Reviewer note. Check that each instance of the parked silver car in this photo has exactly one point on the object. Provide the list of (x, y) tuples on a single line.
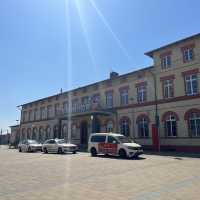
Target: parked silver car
[(29, 146), (58, 146)]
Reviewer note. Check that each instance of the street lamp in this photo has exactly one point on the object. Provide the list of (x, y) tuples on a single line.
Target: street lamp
[(92, 122)]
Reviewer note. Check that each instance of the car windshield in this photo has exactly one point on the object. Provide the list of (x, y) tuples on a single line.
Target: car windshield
[(60, 141), (124, 139), (32, 142)]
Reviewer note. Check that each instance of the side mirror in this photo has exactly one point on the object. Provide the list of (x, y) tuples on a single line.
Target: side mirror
[(114, 142)]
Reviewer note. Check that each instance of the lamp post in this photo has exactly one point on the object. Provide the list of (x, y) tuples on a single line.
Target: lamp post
[(92, 123)]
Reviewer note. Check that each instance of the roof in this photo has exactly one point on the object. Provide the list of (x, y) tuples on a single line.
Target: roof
[(150, 53), (66, 92)]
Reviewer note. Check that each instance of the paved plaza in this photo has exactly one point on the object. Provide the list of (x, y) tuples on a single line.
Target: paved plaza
[(38, 176)]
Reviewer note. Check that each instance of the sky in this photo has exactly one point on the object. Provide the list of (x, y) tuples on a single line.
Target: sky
[(52, 44)]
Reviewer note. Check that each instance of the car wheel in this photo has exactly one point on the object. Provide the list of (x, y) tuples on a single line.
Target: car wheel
[(45, 150), (74, 152), (122, 153), (93, 152), (60, 151), (20, 150)]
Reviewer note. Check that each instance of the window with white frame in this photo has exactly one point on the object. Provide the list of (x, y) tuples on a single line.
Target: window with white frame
[(30, 115), (25, 116), (143, 127), (124, 127), (73, 130), (109, 99), (141, 93), (42, 113), (194, 124), (191, 84), (65, 107), (57, 109), (36, 114), (49, 111), (170, 126), (168, 89), (109, 127), (124, 97), (166, 62), (188, 54), (48, 132)]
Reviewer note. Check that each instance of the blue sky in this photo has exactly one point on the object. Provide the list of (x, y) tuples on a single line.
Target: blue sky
[(111, 35)]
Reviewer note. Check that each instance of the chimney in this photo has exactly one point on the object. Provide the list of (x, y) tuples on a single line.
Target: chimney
[(113, 75)]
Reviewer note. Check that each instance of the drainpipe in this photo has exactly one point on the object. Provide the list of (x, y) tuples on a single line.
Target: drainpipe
[(156, 107)]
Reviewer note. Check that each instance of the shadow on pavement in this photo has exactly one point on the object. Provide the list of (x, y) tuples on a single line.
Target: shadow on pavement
[(176, 155)]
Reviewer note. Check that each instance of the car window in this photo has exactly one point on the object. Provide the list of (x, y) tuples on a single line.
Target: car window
[(52, 142), (98, 138), (112, 140)]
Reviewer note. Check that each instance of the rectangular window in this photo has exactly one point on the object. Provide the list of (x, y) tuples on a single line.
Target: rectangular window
[(65, 107), (109, 99), (36, 114), (49, 111), (24, 118), (30, 115), (188, 54), (124, 97), (96, 99), (85, 100), (75, 105), (141, 93), (168, 89), (191, 84), (166, 62), (57, 109), (42, 113)]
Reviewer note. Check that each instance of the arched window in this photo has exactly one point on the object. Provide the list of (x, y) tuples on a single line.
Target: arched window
[(143, 126), (193, 118), (29, 133), (124, 126), (109, 126), (56, 131), (48, 132), (23, 135), (34, 134), (73, 130), (170, 123), (41, 134), (64, 131)]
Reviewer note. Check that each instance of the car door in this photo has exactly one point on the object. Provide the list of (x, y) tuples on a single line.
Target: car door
[(111, 145), (51, 146)]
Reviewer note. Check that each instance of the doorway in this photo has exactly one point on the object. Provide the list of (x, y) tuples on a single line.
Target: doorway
[(84, 133)]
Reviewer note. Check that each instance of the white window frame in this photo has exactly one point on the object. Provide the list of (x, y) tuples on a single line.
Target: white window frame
[(171, 118), (188, 54), (190, 79), (166, 62), (143, 122), (124, 97), (141, 93), (195, 117), (168, 86), (109, 100)]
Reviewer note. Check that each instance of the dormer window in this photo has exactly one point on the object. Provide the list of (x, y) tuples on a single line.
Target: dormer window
[(165, 60)]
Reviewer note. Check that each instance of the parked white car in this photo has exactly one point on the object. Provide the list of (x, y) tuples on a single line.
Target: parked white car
[(58, 146), (29, 146), (113, 144)]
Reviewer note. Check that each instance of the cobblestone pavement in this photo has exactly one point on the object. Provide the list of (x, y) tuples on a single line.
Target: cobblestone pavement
[(37, 176)]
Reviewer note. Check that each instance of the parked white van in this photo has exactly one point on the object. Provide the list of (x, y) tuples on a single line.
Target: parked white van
[(113, 144)]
